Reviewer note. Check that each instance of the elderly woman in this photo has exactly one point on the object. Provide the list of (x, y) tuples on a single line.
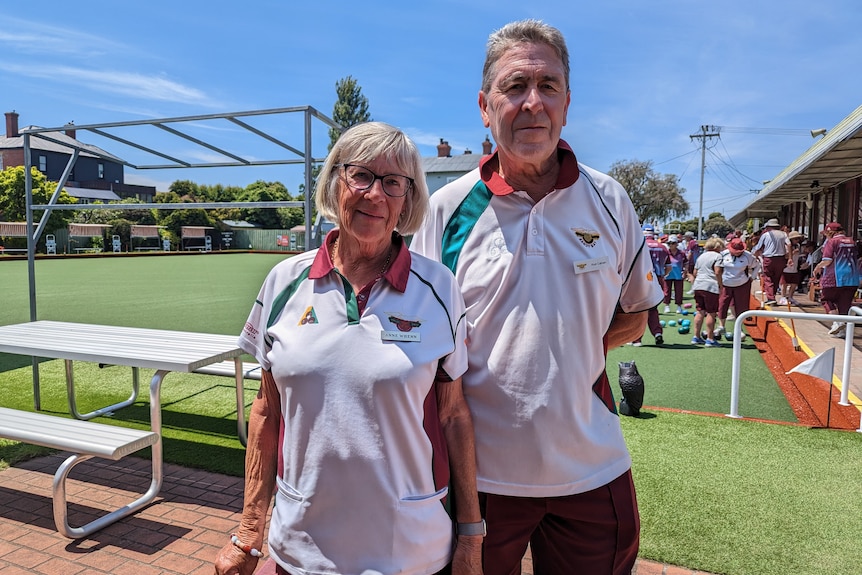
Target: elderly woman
[(707, 287), (360, 422), (734, 271)]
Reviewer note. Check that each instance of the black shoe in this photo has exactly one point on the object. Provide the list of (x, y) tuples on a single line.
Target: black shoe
[(659, 339)]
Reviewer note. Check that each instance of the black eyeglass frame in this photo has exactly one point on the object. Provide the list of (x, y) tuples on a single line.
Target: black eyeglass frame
[(410, 181)]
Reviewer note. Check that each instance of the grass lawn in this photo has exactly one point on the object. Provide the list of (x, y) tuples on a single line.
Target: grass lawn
[(683, 376), (746, 498), (716, 494)]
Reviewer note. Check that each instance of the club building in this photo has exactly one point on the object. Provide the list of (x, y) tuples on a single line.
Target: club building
[(822, 185)]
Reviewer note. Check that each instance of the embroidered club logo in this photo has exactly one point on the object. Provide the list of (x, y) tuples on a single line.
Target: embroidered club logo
[(404, 324), (587, 237), (308, 317)]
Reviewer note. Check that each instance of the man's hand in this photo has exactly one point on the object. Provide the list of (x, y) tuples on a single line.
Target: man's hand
[(626, 327), (467, 559)]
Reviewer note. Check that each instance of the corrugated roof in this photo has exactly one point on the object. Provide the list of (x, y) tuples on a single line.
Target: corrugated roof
[(832, 160), (463, 163), (37, 143), (92, 194)]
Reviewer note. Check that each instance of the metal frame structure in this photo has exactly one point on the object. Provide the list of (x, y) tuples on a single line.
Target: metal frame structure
[(296, 156)]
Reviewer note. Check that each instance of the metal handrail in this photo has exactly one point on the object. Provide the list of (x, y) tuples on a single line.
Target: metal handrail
[(851, 320)]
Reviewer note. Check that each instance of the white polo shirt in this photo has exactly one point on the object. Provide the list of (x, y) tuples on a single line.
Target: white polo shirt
[(542, 282), (362, 462), (737, 269)]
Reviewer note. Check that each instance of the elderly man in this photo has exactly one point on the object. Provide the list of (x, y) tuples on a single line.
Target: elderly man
[(773, 248), (552, 264)]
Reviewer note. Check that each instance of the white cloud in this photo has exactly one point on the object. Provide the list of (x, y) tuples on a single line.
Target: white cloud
[(146, 87), (29, 37)]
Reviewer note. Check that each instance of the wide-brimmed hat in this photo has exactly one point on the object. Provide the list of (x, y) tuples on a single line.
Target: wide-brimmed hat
[(794, 235), (736, 246), (772, 223)]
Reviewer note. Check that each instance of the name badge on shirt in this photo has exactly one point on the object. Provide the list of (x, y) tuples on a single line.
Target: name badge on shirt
[(400, 336), (592, 265)]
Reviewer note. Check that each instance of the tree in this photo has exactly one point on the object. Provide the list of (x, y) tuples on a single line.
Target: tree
[(350, 109), (13, 204), (261, 191), (718, 225), (655, 196)]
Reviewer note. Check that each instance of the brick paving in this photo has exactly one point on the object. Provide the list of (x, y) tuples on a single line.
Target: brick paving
[(180, 533)]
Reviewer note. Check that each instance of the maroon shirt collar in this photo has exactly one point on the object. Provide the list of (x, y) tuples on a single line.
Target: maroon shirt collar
[(396, 275), (569, 172)]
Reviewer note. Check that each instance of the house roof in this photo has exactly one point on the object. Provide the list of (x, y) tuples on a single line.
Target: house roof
[(832, 160), (239, 224), (56, 144), (461, 164), (92, 194)]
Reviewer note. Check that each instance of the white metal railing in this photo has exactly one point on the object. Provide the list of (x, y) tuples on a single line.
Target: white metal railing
[(851, 320)]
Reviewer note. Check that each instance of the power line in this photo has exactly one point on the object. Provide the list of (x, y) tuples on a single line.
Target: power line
[(764, 131), (674, 158), (742, 181)]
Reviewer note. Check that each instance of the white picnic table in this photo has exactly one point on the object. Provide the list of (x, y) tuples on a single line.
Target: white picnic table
[(162, 350)]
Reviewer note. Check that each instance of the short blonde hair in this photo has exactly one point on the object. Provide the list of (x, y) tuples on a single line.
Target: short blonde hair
[(714, 245), (362, 144)]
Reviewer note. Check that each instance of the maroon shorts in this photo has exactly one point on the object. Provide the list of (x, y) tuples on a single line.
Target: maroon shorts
[(791, 278), (837, 298), (706, 301), (598, 531)]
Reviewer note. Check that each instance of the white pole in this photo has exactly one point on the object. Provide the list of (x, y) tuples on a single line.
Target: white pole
[(848, 351)]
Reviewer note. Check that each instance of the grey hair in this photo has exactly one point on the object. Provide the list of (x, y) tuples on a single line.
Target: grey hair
[(362, 144), (523, 31)]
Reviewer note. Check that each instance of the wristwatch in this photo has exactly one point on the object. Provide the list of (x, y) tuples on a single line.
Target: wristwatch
[(478, 528)]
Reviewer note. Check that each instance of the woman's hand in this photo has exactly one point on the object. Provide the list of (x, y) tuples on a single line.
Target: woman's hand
[(231, 560), (467, 559)]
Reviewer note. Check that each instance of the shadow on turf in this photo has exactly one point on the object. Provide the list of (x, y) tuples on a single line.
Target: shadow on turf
[(11, 362), (748, 344), (643, 415)]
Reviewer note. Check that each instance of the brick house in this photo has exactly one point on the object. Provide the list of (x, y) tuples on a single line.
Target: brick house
[(96, 176)]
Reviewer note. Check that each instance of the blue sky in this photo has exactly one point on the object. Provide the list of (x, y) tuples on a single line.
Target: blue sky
[(645, 75)]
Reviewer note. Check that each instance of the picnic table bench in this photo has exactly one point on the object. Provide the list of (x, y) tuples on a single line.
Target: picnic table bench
[(226, 368), (85, 439)]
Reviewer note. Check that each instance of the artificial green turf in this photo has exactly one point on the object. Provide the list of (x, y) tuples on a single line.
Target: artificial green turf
[(684, 376), (746, 498), (211, 293)]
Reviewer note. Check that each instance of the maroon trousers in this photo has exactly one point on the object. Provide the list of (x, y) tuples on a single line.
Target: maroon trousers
[(739, 296), (591, 533), (773, 268)]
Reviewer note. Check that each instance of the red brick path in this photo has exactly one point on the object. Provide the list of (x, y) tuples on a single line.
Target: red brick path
[(178, 534)]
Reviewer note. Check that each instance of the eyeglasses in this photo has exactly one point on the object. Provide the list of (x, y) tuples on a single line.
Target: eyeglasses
[(360, 179)]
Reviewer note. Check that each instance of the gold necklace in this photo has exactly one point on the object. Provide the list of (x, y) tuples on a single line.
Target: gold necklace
[(382, 270)]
